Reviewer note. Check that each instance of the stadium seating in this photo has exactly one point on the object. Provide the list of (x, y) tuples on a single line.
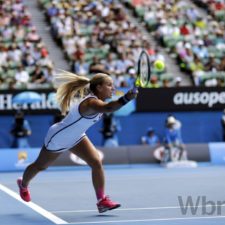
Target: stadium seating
[(197, 41), (22, 52), (100, 37), (102, 30), (215, 7)]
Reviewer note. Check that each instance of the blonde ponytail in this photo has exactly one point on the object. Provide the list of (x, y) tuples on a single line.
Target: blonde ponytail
[(68, 85)]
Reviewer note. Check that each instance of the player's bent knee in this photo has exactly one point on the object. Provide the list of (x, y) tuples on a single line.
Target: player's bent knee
[(96, 163)]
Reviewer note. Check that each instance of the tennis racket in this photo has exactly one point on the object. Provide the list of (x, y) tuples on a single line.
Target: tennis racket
[(143, 70)]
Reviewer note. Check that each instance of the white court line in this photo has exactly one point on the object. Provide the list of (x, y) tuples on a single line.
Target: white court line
[(150, 220), (135, 209), (33, 206)]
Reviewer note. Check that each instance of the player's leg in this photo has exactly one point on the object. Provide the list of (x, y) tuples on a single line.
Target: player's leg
[(86, 151), (43, 161)]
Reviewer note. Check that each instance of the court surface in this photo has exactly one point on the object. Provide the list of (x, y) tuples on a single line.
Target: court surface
[(149, 195)]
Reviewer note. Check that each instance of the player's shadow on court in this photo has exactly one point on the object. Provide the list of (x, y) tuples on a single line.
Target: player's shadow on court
[(105, 215)]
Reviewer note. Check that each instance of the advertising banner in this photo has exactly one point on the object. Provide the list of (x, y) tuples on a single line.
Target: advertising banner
[(45, 104), (181, 99), (148, 100), (41, 101), (17, 159)]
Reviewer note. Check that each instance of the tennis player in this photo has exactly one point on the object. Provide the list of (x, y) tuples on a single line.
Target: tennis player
[(69, 134)]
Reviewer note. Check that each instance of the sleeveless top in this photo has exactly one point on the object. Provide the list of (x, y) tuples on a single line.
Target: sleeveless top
[(71, 130)]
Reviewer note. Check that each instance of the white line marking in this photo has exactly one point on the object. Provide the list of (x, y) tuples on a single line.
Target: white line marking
[(135, 209), (33, 206), (150, 220)]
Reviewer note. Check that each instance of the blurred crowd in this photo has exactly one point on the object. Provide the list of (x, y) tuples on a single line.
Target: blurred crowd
[(24, 59), (98, 36), (214, 7), (195, 39)]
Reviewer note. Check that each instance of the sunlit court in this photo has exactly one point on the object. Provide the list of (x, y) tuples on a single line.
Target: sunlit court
[(148, 195), (112, 112)]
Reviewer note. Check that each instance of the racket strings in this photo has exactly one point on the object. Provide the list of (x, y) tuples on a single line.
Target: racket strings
[(144, 70)]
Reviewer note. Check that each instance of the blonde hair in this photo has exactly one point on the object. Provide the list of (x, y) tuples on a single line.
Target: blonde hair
[(69, 85)]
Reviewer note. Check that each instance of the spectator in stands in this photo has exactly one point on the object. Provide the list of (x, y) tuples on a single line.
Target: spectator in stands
[(1, 82), (28, 60), (122, 64), (33, 36), (89, 20), (20, 131), (27, 48), (192, 13), (207, 40), (38, 76), (150, 138), (165, 83), (22, 76), (131, 76), (44, 61), (79, 53), (43, 50), (220, 82), (81, 67), (9, 63), (118, 80), (96, 66), (12, 84), (200, 50), (109, 64), (48, 73), (178, 81), (36, 54), (221, 66), (184, 29), (217, 5), (154, 83), (211, 65), (52, 10), (15, 53), (197, 69), (223, 124), (158, 55), (3, 54)]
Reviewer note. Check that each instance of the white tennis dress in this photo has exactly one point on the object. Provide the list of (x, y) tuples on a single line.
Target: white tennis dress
[(71, 130)]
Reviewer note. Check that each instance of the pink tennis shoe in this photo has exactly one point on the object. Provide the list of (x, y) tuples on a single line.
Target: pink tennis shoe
[(24, 191), (106, 204)]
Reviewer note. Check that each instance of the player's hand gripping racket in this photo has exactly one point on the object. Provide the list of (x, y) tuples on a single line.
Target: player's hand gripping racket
[(143, 71)]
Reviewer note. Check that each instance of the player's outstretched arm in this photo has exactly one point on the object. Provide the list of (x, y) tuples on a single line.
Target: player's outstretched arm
[(98, 106)]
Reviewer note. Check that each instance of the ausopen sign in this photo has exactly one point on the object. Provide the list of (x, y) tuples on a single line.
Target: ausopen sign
[(148, 100), (181, 99)]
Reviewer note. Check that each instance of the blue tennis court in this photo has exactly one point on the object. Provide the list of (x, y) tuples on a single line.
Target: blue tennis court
[(149, 195)]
